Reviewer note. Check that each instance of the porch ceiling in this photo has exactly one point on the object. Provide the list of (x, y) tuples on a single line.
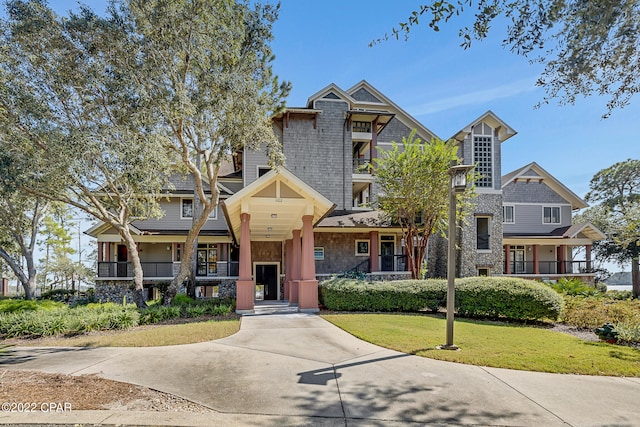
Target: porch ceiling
[(276, 202)]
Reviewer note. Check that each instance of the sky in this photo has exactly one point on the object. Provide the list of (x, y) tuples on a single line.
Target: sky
[(443, 86)]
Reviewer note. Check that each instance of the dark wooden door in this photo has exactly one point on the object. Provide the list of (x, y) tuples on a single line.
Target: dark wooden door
[(123, 257), (267, 276)]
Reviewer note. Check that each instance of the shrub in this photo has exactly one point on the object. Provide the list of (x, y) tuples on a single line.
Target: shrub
[(592, 312), (17, 305), (158, 313), (628, 332), (57, 294), (573, 287), (181, 300), (196, 310), (509, 298)]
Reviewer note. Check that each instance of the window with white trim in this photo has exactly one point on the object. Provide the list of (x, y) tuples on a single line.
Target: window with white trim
[(186, 210), (551, 215), (508, 214), (318, 253)]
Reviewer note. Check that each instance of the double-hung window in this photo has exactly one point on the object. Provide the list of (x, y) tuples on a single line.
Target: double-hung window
[(508, 214), (551, 215), (186, 210)]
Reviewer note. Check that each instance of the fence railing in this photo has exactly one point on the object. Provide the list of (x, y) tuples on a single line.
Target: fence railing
[(393, 263), (551, 267), (153, 270)]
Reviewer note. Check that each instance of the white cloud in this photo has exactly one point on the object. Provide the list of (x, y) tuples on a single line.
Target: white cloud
[(473, 98)]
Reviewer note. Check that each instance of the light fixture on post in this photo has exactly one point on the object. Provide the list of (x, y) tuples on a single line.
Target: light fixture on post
[(458, 176)]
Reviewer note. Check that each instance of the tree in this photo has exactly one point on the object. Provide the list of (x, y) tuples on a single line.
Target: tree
[(587, 47), (73, 126), (56, 240), (616, 190), (207, 69), (20, 218), (414, 183)]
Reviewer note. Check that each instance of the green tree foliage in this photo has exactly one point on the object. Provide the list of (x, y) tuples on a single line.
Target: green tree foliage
[(587, 47), (616, 192), (414, 181), (207, 69), (72, 124)]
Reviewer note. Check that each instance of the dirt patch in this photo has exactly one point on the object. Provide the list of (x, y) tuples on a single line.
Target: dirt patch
[(87, 392)]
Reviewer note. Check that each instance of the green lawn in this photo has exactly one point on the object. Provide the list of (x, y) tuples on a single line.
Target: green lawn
[(148, 336), (492, 344)]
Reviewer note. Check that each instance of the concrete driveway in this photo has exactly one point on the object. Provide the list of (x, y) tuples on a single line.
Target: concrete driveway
[(298, 369)]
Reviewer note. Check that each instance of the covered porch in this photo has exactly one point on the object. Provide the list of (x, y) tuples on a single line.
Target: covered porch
[(278, 210), (552, 257)]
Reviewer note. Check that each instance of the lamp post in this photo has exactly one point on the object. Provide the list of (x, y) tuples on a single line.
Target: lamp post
[(458, 174)]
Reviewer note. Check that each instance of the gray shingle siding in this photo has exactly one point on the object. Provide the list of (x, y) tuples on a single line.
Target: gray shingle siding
[(531, 192), (364, 95)]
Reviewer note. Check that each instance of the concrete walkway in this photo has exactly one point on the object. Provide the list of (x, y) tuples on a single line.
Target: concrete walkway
[(298, 369)]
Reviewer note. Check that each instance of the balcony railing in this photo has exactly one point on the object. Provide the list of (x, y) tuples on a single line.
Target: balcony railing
[(551, 267), (152, 270), (361, 166), (393, 262)]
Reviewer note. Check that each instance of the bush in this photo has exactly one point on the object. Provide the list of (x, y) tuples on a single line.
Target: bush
[(510, 298), (67, 321), (574, 287), (628, 332), (57, 295), (592, 312), (181, 300), (507, 297), (18, 305), (158, 313)]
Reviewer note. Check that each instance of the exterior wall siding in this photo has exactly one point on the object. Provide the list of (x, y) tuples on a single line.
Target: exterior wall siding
[(267, 252), (531, 192), (339, 251), (364, 95), (172, 221), (528, 219)]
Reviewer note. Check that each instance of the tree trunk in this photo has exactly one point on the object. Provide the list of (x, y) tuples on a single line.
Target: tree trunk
[(138, 276), (635, 277), (28, 282)]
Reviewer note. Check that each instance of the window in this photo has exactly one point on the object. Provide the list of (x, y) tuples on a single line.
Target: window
[(482, 233), (186, 210), (318, 253), (483, 272), (482, 154), (364, 127), (362, 248), (551, 215), (508, 214), (207, 259), (263, 170)]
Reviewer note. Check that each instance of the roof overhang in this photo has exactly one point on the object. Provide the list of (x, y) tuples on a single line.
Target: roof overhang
[(276, 202)]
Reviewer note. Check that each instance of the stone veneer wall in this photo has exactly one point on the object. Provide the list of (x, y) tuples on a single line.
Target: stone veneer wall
[(114, 291), (470, 260)]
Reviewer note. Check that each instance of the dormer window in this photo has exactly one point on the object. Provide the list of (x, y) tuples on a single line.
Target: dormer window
[(483, 154)]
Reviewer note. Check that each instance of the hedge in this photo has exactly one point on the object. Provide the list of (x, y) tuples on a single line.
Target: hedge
[(479, 297)]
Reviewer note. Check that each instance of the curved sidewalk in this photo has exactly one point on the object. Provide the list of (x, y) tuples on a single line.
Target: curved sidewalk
[(298, 369)]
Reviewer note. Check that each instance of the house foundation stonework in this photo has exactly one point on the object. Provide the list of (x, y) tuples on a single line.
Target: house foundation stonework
[(277, 232)]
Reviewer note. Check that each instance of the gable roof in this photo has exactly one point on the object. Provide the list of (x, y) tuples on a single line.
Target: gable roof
[(535, 172), (504, 130)]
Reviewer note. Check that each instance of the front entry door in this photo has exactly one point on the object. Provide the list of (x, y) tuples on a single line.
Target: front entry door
[(387, 250), (267, 281), (122, 263)]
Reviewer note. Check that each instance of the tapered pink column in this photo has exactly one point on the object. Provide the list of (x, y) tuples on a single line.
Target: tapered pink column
[(308, 286), (507, 259), (536, 260), (288, 254), (373, 249), (295, 266), (245, 287), (562, 257)]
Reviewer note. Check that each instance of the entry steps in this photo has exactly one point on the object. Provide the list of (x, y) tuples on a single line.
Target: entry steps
[(273, 307)]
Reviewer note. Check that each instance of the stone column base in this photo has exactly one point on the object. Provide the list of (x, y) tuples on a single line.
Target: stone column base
[(307, 296), (245, 295)]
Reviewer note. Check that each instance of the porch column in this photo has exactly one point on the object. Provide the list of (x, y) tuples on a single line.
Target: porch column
[(536, 260), (295, 266), (587, 249), (5, 287), (288, 255), (562, 252), (507, 259), (308, 285), (245, 287), (374, 140), (373, 250)]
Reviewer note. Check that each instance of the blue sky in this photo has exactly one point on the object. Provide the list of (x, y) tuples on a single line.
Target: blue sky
[(442, 85)]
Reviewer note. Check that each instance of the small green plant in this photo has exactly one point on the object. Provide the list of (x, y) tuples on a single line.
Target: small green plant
[(628, 332), (181, 300), (574, 287), (196, 310)]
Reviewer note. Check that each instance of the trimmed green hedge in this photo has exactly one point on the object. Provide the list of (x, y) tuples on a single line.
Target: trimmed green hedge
[(498, 297)]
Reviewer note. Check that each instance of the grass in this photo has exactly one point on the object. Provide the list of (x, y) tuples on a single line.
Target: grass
[(492, 344), (147, 336)]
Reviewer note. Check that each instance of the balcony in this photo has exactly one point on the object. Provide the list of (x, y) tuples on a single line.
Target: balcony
[(551, 268), (361, 131), (361, 166), (165, 270)]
